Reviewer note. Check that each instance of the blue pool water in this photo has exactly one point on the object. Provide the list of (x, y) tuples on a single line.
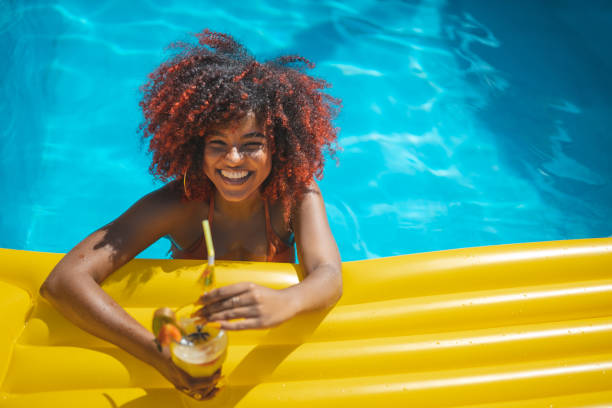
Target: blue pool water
[(465, 123)]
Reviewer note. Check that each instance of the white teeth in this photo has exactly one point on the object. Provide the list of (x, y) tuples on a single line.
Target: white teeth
[(233, 174)]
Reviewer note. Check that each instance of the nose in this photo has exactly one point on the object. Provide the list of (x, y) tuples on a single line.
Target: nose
[(234, 155)]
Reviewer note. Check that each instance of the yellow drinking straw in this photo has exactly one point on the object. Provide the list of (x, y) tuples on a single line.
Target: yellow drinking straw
[(210, 249), (209, 244), (206, 279)]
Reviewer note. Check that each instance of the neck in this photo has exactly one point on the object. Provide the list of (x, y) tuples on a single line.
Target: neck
[(238, 210)]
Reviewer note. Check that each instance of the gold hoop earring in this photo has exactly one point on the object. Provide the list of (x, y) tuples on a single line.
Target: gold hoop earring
[(185, 185)]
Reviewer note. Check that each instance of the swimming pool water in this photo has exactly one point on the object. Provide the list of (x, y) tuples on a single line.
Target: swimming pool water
[(465, 122)]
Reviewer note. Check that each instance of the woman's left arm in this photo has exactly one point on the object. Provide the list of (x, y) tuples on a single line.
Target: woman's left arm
[(318, 254), (261, 307)]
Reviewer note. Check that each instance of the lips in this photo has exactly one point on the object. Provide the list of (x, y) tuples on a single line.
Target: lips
[(234, 176)]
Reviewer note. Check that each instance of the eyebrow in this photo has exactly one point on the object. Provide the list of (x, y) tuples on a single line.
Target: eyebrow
[(254, 134), (248, 135)]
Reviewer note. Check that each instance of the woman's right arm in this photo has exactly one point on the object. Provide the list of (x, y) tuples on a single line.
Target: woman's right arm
[(73, 286)]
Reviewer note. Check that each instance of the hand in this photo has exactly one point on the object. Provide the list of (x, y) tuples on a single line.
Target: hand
[(258, 306), (200, 388)]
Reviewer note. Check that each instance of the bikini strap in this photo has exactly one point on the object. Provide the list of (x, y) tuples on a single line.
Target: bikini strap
[(270, 235), (211, 209)]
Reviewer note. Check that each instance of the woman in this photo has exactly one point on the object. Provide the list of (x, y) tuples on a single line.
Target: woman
[(240, 143)]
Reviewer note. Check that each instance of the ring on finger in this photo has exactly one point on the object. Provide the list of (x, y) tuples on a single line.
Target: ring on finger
[(197, 396), (235, 301)]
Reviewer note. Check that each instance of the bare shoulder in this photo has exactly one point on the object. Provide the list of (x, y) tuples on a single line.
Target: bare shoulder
[(160, 213), (309, 205), (310, 220), (168, 197), (311, 200), (158, 204)]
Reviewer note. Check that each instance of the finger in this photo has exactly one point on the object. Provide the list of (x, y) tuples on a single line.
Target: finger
[(237, 313), (205, 389), (224, 292), (251, 323), (196, 383), (245, 299), (207, 392), (202, 395), (197, 395), (183, 389), (212, 393), (201, 312)]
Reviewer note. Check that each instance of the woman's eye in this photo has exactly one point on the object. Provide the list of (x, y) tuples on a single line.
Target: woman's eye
[(253, 146), (216, 143)]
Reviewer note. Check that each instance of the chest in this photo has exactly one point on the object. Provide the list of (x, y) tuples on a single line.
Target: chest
[(246, 240), (240, 241), (253, 239)]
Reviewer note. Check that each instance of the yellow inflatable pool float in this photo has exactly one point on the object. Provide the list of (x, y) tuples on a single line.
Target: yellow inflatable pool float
[(526, 325)]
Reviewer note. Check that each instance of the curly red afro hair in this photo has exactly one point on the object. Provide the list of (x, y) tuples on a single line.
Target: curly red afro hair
[(205, 86)]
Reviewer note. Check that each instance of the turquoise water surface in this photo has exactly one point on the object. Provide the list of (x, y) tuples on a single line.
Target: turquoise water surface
[(465, 123)]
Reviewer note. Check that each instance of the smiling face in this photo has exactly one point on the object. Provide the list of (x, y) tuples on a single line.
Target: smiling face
[(237, 159)]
